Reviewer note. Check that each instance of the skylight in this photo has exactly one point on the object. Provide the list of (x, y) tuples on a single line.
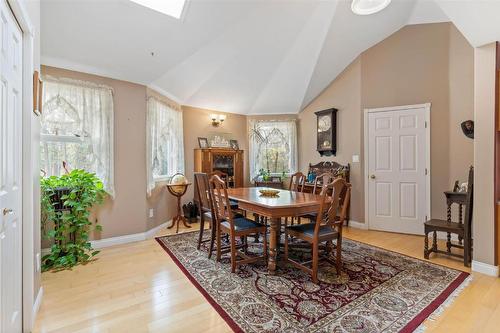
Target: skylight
[(169, 7)]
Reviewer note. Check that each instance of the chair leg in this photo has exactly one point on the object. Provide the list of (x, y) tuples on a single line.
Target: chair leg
[(434, 241), (218, 244), (212, 239), (245, 244), (315, 261), (448, 242), (264, 245), (202, 229), (426, 245), (286, 246), (233, 254), (339, 255)]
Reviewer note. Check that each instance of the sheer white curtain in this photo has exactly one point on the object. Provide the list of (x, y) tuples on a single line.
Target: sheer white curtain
[(77, 127), (272, 146), (165, 142)]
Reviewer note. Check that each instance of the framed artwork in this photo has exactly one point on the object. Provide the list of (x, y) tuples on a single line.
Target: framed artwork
[(234, 144), (203, 143), (37, 93)]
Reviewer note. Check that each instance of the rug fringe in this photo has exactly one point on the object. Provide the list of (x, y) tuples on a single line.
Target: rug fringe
[(439, 311)]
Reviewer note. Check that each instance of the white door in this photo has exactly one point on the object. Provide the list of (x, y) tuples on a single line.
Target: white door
[(397, 169), (10, 171)]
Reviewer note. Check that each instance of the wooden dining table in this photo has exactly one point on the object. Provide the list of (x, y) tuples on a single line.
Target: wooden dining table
[(286, 204)]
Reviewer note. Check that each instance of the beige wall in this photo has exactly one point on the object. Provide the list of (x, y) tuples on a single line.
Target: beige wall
[(345, 95), (128, 212), (484, 154), (197, 123), (415, 65)]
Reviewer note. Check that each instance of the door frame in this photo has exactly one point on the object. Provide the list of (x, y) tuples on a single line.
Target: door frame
[(367, 111), (28, 129)]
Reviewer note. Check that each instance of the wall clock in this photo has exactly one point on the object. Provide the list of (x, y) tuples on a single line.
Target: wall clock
[(326, 143)]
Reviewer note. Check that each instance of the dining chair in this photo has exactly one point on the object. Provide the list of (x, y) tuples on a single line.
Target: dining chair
[(236, 227), (325, 229), (206, 209), (225, 177), (320, 182), (297, 181)]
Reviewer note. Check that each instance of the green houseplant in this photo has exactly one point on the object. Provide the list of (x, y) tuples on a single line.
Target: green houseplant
[(77, 192)]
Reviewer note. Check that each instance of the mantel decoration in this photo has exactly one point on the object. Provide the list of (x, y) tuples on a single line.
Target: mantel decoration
[(219, 140), (177, 187), (203, 143), (66, 202)]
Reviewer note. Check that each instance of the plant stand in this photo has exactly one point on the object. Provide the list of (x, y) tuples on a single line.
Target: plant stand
[(179, 217)]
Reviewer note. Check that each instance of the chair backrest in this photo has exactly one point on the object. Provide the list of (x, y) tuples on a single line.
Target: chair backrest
[(203, 193), (322, 180), (328, 211), (221, 203), (297, 181), (222, 175), (469, 203)]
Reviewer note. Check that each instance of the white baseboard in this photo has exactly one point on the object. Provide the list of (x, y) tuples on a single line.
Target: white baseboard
[(37, 304), (486, 269), (106, 242), (357, 225)]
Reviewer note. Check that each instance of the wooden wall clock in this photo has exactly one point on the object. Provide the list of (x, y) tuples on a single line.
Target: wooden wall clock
[(326, 132)]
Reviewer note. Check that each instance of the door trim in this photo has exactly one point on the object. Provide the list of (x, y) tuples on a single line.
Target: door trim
[(427, 107), (28, 129)]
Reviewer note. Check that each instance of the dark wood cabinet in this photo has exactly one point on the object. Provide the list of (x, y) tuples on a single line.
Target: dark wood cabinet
[(227, 160)]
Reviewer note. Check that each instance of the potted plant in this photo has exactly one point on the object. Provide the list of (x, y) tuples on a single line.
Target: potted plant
[(66, 202)]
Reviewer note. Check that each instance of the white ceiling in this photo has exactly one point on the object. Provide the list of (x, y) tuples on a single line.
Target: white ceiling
[(245, 56)]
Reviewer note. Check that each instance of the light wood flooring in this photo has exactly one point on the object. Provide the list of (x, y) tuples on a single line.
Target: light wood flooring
[(137, 288)]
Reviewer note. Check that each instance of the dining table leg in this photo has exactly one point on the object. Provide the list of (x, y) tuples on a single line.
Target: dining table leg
[(275, 224)]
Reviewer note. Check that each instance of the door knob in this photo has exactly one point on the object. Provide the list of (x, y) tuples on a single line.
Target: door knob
[(7, 211), (372, 176)]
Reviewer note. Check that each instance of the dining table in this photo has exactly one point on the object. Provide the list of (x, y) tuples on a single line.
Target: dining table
[(284, 204)]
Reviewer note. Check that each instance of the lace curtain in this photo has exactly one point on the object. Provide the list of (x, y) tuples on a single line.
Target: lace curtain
[(272, 146), (165, 142), (77, 127)]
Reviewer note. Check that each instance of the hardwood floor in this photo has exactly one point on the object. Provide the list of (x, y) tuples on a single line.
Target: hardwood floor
[(137, 288)]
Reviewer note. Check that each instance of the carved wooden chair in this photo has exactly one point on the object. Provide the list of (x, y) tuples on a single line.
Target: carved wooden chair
[(297, 181), (319, 183), (206, 209), (462, 230), (325, 229), (225, 177), (236, 227)]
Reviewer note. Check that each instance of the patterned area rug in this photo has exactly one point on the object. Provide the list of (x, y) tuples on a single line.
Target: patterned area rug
[(377, 291)]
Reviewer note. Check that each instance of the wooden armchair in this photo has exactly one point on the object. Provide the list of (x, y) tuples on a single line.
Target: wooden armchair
[(236, 227), (326, 229), (462, 230)]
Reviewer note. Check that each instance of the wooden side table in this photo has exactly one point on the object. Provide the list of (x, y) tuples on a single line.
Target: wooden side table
[(174, 190)]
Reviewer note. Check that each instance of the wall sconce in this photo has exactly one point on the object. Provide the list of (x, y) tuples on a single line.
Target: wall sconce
[(217, 119)]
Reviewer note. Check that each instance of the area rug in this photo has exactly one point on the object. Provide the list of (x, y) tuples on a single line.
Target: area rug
[(377, 291)]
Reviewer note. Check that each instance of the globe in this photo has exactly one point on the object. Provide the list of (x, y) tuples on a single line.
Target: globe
[(178, 180)]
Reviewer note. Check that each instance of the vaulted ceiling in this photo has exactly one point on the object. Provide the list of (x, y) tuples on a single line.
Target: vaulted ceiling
[(249, 57)]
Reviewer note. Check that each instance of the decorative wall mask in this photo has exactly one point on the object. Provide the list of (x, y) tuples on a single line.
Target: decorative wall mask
[(468, 128)]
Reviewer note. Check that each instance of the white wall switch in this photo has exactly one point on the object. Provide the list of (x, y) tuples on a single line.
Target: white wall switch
[(355, 158), (151, 212)]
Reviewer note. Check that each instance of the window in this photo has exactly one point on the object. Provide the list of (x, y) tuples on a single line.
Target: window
[(165, 142), (273, 146), (77, 127)]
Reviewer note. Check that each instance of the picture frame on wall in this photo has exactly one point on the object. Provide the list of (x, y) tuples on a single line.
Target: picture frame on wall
[(203, 143), (234, 144)]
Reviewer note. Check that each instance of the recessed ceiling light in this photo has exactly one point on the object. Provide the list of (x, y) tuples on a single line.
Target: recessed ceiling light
[(367, 7), (169, 7)]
